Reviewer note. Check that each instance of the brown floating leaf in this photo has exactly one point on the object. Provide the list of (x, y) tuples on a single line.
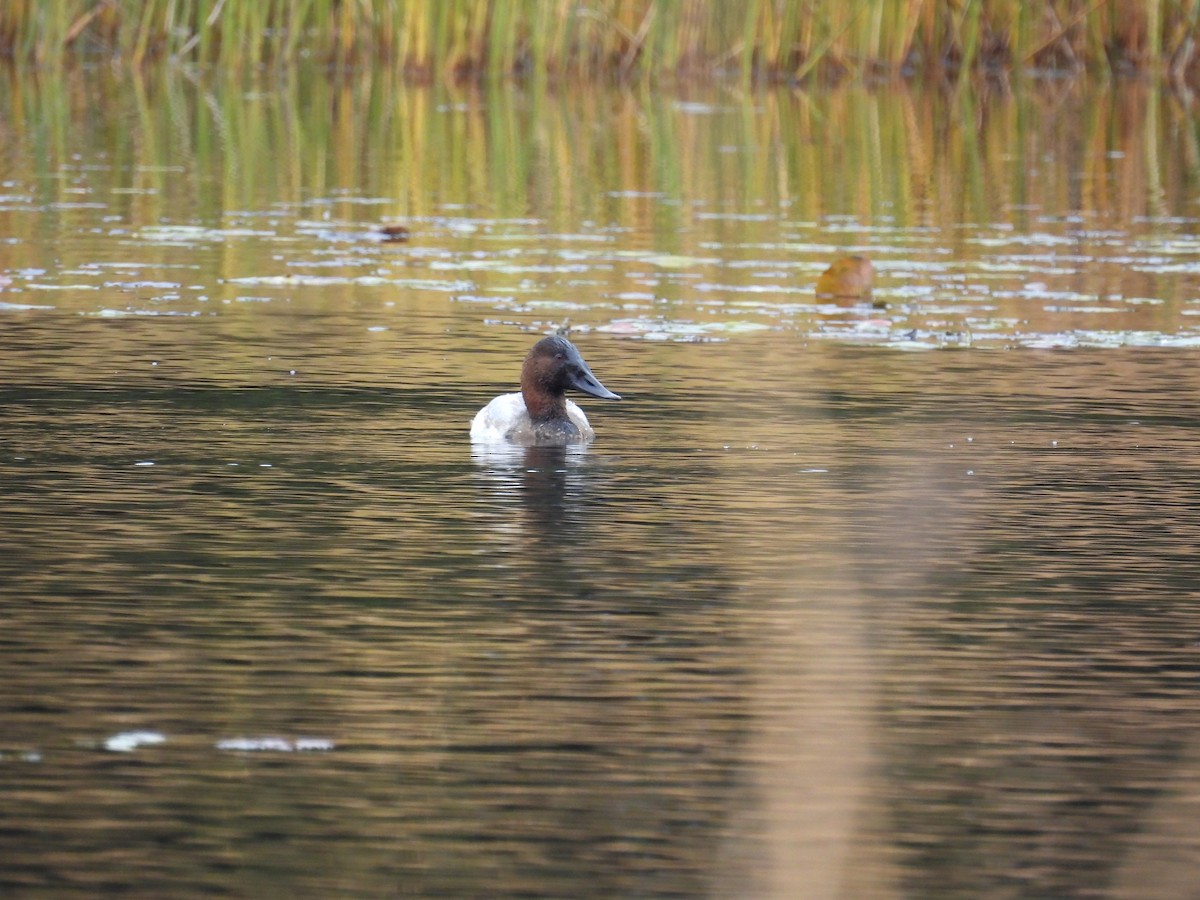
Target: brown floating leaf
[(850, 276)]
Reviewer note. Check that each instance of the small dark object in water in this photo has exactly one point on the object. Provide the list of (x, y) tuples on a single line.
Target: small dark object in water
[(396, 233), (850, 276)]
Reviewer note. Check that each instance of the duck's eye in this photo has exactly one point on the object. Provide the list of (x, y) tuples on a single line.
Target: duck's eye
[(559, 356)]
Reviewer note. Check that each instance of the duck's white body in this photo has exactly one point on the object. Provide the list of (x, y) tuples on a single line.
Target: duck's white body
[(506, 420)]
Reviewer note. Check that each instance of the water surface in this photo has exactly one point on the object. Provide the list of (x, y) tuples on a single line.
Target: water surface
[(814, 616)]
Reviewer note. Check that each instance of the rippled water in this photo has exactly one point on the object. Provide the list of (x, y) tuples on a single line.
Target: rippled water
[(812, 617)]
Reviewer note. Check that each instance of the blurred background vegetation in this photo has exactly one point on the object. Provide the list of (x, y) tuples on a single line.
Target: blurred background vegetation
[(765, 40)]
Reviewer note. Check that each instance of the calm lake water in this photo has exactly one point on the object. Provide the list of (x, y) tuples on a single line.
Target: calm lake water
[(846, 600)]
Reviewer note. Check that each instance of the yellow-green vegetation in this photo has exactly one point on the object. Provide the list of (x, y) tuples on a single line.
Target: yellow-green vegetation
[(193, 150), (554, 39)]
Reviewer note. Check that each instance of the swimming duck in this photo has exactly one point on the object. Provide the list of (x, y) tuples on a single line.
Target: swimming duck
[(540, 415), (395, 233)]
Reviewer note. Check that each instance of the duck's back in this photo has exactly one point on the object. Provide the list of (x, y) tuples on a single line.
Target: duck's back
[(493, 422)]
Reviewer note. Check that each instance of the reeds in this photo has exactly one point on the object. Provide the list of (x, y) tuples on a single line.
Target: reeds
[(776, 40)]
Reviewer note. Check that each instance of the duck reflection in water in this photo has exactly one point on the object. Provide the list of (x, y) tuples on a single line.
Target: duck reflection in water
[(547, 482)]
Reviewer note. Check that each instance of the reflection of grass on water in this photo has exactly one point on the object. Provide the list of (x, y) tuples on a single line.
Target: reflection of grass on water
[(773, 39), (189, 166), (912, 156)]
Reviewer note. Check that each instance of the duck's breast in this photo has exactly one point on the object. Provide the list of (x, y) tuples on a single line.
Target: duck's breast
[(575, 414), (505, 419), (557, 432)]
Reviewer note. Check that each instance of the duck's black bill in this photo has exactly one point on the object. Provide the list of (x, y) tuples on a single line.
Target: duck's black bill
[(582, 379)]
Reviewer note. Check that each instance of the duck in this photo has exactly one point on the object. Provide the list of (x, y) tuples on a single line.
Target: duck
[(540, 415), (394, 233)]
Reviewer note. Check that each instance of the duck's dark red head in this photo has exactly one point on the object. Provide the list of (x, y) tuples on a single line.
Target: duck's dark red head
[(552, 366)]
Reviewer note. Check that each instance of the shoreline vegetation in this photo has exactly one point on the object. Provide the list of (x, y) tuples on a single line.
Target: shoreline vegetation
[(766, 41)]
